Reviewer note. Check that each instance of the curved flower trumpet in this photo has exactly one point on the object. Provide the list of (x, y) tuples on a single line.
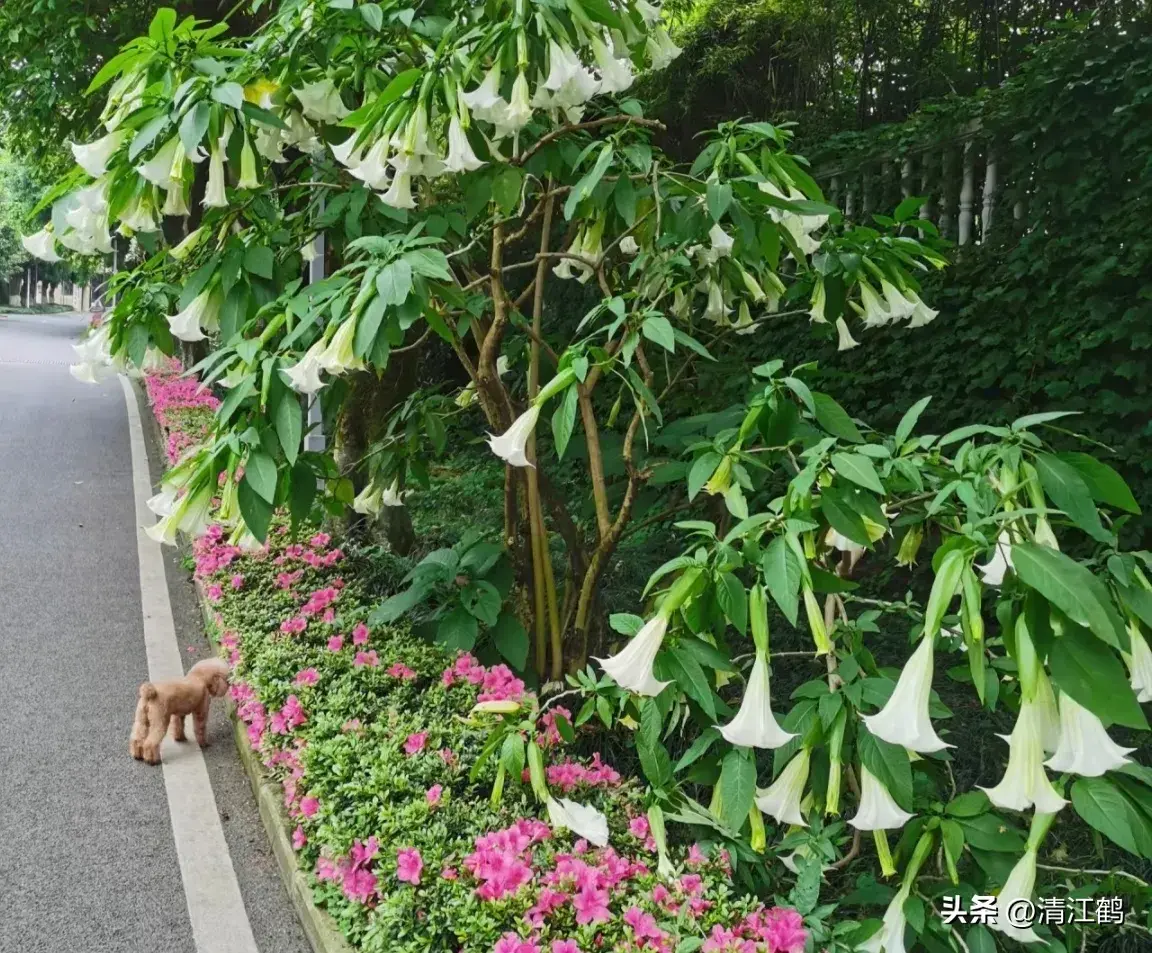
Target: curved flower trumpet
[(1025, 784), (754, 725), (580, 819), (1084, 746), (904, 720), (782, 799), (878, 810)]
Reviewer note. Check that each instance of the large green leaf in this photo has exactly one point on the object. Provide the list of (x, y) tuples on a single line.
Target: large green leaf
[(737, 786), (1064, 485), (256, 510), (908, 421), (689, 676), (843, 517), (398, 604), (260, 474), (1072, 588), (781, 569), (1106, 485), (835, 419), (654, 758), (457, 630), (1106, 808), (564, 420), (859, 469), (1089, 671), (288, 420), (511, 640)]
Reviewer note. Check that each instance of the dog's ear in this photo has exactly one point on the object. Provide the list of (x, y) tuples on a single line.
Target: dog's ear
[(219, 685)]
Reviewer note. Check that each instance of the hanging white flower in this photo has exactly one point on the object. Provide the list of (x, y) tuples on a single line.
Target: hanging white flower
[(519, 110), (628, 246), (845, 341), (631, 668), (904, 720), (93, 157), (1025, 784), (1139, 664), (921, 313), (392, 496), (782, 800), (248, 176), (140, 215), (201, 314), (1019, 886), (615, 72), (993, 572), (843, 544), (898, 305), (338, 357), (875, 312), (321, 101), (890, 937), (754, 725), (42, 245), (715, 310), (374, 168), (460, 156), (304, 375), (649, 13), (369, 501), (817, 305), (399, 194), (581, 819), (158, 169), (878, 810), (660, 49), (1085, 747), (164, 502), (175, 201), (721, 241), (512, 444), (189, 516), (485, 101), (90, 372), (215, 195), (348, 153)]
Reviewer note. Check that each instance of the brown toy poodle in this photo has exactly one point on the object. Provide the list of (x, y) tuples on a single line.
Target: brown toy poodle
[(168, 702)]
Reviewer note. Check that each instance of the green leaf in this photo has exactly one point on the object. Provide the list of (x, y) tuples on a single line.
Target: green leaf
[(944, 588), (564, 420), (1106, 808), (719, 197), (859, 469), (654, 758), (979, 939), (1030, 420), (229, 94), (733, 600), (259, 260), (399, 603), (288, 421), (1089, 672), (782, 573), (457, 630), (1072, 588), (301, 493), (737, 786), (698, 749), (888, 763), (659, 330), (511, 640), (256, 510), (1063, 483), (506, 188), (482, 600), (194, 125), (394, 282), (690, 677), (372, 15), (702, 468), (588, 183), (843, 518), (368, 327), (908, 421), (834, 418), (1105, 484), (260, 474)]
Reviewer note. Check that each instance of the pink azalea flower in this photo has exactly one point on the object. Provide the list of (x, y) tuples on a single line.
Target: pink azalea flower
[(415, 742), (238, 581), (360, 634), (214, 592), (400, 670), (448, 756), (319, 540), (369, 658), (336, 643), (565, 946), (591, 906), (450, 873), (784, 930), (309, 806), (409, 864), (511, 943), (434, 793), (294, 626), (696, 856), (643, 925), (359, 884), (638, 827), (298, 838), (307, 676)]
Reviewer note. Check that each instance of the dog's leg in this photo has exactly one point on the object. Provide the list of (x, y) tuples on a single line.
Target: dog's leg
[(157, 727), (177, 723), (139, 731), (200, 722)]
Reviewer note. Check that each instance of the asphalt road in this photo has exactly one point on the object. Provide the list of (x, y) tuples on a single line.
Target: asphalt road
[(87, 860)]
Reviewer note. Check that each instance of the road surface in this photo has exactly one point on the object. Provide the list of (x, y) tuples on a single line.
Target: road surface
[(89, 861)]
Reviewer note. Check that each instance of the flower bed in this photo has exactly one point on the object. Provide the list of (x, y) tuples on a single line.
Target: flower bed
[(183, 407), (372, 735)]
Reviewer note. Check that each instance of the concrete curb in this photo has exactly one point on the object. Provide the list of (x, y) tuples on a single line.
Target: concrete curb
[(322, 932)]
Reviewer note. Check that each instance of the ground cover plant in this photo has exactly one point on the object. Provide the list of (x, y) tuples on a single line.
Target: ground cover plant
[(460, 161)]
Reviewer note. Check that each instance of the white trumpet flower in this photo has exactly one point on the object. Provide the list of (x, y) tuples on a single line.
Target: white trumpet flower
[(1019, 885), (1085, 747), (649, 13), (628, 246), (615, 72), (304, 375), (754, 725), (782, 800), (90, 372), (660, 49), (512, 444), (993, 572), (392, 496), (189, 516), (348, 153), (875, 312), (845, 341), (485, 100), (215, 195), (631, 668), (904, 720), (878, 810), (1025, 784), (320, 101), (460, 156), (338, 357), (399, 194), (158, 169), (374, 168), (581, 819), (921, 313), (202, 313), (175, 201), (164, 502), (369, 501), (248, 176), (1140, 665), (563, 65), (42, 245), (93, 157), (519, 110), (140, 215), (898, 305), (722, 242), (890, 937), (817, 304)]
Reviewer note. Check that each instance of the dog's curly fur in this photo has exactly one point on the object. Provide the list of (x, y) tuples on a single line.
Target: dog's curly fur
[(167, 703)]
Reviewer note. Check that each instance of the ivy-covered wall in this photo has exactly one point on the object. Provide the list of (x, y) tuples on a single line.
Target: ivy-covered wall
[(1056, 317)]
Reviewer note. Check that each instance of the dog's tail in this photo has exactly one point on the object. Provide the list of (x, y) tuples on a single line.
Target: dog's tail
[(147, 692)]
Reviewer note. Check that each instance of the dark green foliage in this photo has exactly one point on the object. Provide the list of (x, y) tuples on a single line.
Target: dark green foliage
[(1059, 317)]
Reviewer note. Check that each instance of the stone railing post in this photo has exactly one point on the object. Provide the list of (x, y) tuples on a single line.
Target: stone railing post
[(989, 206), (945, 223), (967, 193)]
